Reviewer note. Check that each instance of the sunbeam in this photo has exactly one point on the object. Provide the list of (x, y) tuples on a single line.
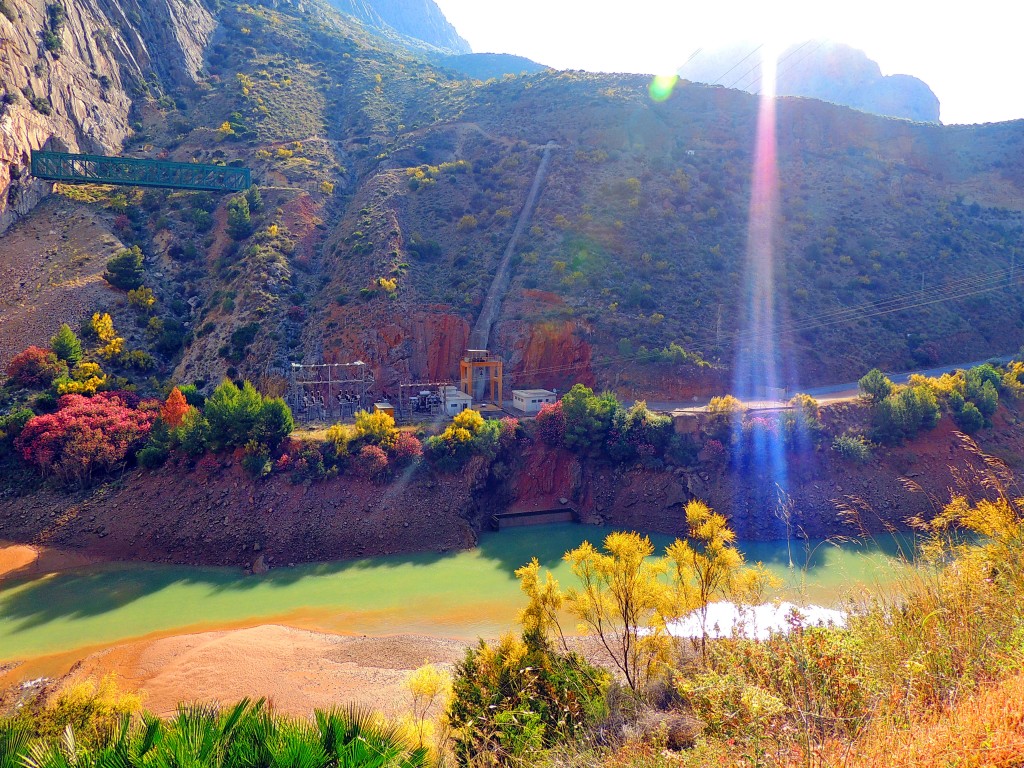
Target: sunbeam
[(758, 360)]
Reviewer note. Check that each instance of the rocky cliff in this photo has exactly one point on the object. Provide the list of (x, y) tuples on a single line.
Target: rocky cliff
[(418, 20), (72, 71)]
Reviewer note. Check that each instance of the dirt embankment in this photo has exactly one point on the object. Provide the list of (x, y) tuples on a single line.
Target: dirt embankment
[(217, 515), (220, 516)]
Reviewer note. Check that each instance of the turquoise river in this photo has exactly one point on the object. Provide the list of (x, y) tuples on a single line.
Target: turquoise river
[(62, 616)]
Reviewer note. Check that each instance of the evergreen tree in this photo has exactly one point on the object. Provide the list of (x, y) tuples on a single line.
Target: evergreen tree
[(66, 346), (124, 271)]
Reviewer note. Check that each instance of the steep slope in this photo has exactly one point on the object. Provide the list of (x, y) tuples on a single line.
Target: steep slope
[(71, 72), (415, 20), (390, 189), (639, 240), (823, 70)]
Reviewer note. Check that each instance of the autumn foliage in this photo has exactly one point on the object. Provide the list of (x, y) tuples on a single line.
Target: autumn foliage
[(174, 408), (35, 367), (87, 436)]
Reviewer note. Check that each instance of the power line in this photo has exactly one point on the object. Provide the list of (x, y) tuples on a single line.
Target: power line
[(758, 65), (718, 80)]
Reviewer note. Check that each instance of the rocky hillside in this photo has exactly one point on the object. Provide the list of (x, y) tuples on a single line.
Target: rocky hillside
[(390, 188), (72, 71), (415, 20), (824, 70)]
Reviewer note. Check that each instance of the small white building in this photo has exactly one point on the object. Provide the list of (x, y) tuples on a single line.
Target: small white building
[(531, 400), (455, 401)]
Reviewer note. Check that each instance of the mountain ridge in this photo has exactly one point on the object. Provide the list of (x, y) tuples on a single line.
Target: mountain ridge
[(820, 69)]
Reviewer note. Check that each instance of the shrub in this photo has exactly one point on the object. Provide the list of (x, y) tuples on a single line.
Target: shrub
[(124, 271), (518, 696), (192, 436), (66, 346), (86, 378), (588, 418), (969, 418), (174, 408), (371, 462), (239, 219), (256, 460), (11, 425), (875, 385), (725, 405), (35, 368), (84, 437), (407, 450), (852, 447), (550, 423), (238, 415), (376, 428), (152, 456), (142, 298), (468, 434), (638, 433), (904, 413)]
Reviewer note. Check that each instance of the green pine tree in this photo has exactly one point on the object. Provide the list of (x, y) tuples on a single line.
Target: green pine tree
[(66, 346)]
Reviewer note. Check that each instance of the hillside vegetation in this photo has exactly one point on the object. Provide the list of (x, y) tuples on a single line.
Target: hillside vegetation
[(389, 189)]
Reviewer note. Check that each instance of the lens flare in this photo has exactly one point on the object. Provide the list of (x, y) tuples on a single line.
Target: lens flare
[(758, 358), (662, 86)]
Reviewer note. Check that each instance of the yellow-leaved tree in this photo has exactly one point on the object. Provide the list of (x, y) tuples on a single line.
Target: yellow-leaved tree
[(626, 596)]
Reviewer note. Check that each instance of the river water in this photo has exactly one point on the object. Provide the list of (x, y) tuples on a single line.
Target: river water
[(464, 595)]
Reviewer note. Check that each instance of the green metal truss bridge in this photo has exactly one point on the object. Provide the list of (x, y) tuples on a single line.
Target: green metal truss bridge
[(100, 169)]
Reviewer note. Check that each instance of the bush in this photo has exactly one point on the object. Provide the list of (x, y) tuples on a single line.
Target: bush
[(11, 425), (239, 219), (66, 346), (238, 415), (588, 418), (408, 449), (192, 436), (852, 447), (371, 462), (35, 368), (875, 385), (86, 436), (550, 423), (514, 698), (904, 413), (468, 434), (124, 271), (969, 419), (376, 428), (638, 433)]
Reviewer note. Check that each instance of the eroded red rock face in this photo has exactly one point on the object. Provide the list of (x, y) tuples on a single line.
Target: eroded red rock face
[(401, 348)]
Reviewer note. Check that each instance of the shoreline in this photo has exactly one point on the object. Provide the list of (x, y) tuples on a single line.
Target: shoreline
[(297, 670)]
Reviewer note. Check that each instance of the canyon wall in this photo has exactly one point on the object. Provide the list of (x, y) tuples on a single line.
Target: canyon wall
[(70, 78)]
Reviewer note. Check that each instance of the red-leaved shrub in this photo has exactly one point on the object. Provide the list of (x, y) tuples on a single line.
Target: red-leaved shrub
[(371, 462), (35, 367), (85, 437), (551, 423), (407, 448)]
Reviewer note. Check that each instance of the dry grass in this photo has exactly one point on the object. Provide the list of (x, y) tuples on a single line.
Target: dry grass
[(985, 729)]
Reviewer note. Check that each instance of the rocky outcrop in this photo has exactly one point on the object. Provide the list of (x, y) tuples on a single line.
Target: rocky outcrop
[(70, 79), (821, 70), (418, 20)]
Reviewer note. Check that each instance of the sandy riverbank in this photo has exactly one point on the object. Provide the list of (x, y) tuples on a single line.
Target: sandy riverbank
[(297, 670), (26, 560)]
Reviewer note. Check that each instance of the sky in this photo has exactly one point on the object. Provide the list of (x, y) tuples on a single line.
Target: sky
[(970, 54)]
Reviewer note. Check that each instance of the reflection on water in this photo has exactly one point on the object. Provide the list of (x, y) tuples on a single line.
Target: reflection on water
[(462, 594)]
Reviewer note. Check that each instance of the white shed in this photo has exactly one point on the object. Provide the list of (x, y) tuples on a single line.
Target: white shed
[(531, 400), (456, 401)]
